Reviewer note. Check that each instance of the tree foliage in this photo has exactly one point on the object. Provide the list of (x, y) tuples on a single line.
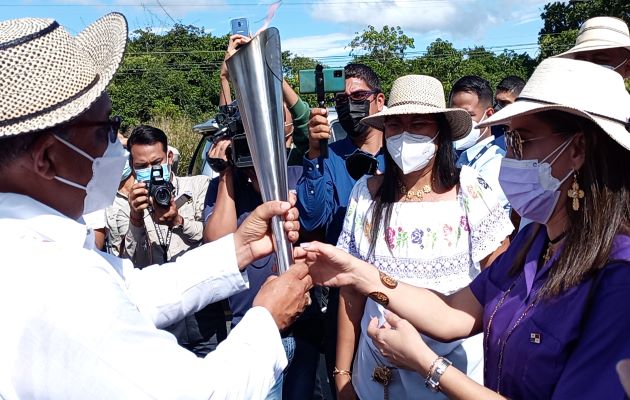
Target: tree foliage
[(562, 22)]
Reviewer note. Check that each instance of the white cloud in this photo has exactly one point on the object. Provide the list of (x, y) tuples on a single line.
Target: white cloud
[(456, 18), (319, 46)]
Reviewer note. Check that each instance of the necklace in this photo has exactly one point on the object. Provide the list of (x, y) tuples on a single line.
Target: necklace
[(548, 253), (410, 194), (503, 342)]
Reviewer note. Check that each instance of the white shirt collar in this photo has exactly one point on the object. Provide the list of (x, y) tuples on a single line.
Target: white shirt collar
[(24, 216)]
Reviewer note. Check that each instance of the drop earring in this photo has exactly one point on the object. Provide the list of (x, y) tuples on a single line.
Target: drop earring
[(575, 193)]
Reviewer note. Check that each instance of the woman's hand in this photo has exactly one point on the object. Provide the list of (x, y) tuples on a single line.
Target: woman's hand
[(401, 343), (330, 266)]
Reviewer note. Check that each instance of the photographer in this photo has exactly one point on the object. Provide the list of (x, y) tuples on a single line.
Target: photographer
[(160, 233)]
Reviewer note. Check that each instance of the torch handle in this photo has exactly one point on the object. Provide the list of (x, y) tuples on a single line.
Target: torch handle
[(321, 102)]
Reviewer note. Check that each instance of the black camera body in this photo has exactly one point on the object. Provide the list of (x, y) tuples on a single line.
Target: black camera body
[(159, 189), (231, 127)]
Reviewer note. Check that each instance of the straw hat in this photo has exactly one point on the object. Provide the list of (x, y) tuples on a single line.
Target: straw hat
[(600, 33), (576, 87), (48, 77), (421, 94)]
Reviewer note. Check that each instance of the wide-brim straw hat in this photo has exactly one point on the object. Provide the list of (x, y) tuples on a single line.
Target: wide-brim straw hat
[(600, 33), (48, 77), (577, 87), (421, 94)]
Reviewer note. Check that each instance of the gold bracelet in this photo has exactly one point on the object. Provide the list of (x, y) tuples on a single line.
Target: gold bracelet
[(342, 372)]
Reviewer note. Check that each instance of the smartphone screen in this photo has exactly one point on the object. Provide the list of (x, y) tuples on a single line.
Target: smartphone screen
[(183, 199), (240, 26)]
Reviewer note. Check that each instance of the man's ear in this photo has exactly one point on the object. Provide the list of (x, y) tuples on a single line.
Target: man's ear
[(169, 157), (489, 112), (43, 157), (380, 101), (578, 151)]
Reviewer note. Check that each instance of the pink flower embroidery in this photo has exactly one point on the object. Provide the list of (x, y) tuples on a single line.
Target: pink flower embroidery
[(463, 223), (390, 237)]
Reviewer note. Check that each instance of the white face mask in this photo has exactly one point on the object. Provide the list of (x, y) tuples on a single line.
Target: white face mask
[(411, 152), (468, 141), (106, 172), (530, 187)]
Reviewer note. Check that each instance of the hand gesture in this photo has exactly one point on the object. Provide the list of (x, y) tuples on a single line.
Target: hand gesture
[(138, 201), (330, 266), (318, 128), (623, 369), (401, 343), (166, 215), (219, 152), (253, 237), (286, 296), (234, 42)]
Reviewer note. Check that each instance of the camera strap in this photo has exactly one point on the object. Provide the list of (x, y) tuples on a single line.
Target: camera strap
[(163, 240)]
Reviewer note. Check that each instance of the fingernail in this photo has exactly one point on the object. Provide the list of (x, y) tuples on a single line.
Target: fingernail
[(305, 245), (293, 191)]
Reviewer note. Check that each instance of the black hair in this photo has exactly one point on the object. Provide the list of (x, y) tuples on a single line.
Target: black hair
[(365, 73), (512, 84), (15, 146), (147, 135), (444, 175), (477, 85)]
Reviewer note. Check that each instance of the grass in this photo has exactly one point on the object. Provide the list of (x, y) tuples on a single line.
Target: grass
[(181, 136)]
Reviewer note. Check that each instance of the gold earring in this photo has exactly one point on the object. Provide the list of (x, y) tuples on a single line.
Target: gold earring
[(575, 193)]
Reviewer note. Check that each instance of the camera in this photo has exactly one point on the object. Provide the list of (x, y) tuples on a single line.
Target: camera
[(231, 127), (160, 189)]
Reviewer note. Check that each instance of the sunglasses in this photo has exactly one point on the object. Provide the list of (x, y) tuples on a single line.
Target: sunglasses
[(514, 141), (112, 123), (357, 95)]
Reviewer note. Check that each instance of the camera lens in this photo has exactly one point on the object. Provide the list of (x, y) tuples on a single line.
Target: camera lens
[(162, 196)]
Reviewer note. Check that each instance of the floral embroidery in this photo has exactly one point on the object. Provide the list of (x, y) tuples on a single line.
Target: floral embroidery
[(390, 236), (447, 230), (416, 237), (463, 223), (367, 229), (402, 238), (474, 191)]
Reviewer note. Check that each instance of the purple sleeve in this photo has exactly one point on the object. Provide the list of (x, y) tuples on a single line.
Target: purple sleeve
[(478, 286), (590, 370)]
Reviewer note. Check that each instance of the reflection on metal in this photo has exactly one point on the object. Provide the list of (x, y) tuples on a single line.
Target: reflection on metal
[(256, 75)]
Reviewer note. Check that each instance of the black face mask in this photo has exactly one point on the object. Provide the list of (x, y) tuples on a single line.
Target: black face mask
[(361, 163), (350, 114)]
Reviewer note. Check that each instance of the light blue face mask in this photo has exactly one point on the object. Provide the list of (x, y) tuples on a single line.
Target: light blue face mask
[(144, 174)]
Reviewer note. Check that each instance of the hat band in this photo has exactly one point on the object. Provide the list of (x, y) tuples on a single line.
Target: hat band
[(419, 103), (626, 124), (16, 42), (46, 110)]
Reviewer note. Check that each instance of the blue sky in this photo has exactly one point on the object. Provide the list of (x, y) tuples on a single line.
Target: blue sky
[(318, 29)]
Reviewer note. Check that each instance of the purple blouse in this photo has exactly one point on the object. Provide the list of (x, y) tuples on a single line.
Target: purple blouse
[(563, 348)]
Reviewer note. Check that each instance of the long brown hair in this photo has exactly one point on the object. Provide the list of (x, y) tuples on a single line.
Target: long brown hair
[(604, 210)]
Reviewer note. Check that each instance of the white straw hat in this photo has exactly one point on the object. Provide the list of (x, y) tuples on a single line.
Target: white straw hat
[(421, 94), (600, 33), (48, 77), (576, 87)]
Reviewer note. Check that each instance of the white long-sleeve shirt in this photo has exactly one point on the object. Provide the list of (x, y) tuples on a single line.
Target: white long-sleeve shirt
[(81, 324)]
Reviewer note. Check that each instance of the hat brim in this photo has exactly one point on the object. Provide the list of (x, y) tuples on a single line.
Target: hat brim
[(504, 116), (458, 119), (104, 41), (592, 45)]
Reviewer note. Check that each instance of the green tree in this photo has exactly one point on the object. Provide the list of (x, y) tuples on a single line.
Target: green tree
[(562, 21)]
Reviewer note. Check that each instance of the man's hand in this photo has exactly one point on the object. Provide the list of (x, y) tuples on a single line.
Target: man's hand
[(138, 202), (286, 296), (167, 215), (318, 128), (253, 238), (219, 152), (234, 42)]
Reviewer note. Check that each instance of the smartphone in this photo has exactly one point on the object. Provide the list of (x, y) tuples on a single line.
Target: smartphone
[(334, 80), (182, 199), (240, 26)]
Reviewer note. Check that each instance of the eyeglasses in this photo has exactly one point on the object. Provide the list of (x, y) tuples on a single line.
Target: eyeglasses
[(357, 95), (514, 142), (112, 123)]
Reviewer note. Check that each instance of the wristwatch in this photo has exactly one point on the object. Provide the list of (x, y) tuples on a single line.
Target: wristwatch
[(436, 371)]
